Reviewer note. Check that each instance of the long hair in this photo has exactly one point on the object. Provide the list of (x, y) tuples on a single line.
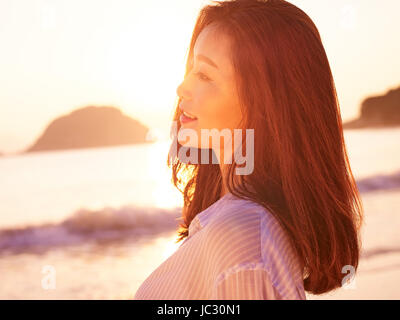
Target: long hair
[(301, 170)]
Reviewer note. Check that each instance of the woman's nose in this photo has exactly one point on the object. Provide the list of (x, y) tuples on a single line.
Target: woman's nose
[(182, 91)]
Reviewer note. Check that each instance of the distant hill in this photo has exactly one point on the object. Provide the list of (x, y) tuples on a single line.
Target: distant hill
[(378, 111), (90, 127)]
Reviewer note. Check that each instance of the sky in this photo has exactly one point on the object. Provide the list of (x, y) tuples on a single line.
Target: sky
[(57, 56)]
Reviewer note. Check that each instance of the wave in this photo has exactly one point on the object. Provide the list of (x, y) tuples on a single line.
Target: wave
[(127, 223), (371, 253), (87, 226), (379, 182)]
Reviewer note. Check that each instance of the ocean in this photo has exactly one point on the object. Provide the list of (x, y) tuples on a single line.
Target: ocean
[(94, 223)]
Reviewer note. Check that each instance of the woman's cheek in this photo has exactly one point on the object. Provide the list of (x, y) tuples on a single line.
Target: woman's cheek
[(212, 109), (222, 115), (212, 119)]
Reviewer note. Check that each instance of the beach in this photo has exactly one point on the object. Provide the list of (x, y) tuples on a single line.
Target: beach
[(93, 224)]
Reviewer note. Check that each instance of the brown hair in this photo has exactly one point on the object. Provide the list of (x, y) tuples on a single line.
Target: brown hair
[(301, 171)]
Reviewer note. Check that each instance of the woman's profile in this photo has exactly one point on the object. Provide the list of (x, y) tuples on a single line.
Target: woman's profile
[(292, 224)]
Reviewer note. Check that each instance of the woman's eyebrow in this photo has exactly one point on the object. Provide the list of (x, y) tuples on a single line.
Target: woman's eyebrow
[(206, 60)]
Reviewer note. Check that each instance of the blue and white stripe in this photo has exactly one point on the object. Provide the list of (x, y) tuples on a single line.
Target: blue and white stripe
[(236, 249)]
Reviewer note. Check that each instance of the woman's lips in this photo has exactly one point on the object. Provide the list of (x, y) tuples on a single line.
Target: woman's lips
[(185, 119)]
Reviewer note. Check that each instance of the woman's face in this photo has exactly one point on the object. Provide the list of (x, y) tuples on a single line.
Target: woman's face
[(209, 92)]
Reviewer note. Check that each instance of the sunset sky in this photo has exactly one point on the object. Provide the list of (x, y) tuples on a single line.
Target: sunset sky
[(57, 56)]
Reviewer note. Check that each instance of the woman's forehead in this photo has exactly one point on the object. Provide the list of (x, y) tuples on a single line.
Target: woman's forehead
[(215, 45)]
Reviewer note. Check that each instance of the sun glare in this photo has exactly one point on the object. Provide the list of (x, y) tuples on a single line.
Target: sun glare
[(170, 247), (145, 69)]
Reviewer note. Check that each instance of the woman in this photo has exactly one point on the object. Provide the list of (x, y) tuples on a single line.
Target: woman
[(292, 224)]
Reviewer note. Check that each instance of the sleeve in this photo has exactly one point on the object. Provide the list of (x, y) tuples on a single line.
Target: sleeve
[(245, 282)]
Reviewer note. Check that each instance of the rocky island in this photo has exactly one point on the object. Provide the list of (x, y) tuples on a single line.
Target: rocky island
[(378, 112), (90, 127)]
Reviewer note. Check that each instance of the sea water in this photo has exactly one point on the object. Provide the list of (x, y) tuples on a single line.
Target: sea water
[(94, 223)]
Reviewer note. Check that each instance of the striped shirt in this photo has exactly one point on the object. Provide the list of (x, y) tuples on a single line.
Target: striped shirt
[(235, 249)]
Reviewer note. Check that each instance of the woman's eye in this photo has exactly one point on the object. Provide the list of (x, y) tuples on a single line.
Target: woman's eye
[(202, 76)]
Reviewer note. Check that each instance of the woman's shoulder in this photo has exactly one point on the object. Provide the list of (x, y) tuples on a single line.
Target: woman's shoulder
[(239, 216), (248, 226), (241, 223), (245, 233)]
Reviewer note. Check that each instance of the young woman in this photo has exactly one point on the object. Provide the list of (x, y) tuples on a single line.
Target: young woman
[(293, 223)]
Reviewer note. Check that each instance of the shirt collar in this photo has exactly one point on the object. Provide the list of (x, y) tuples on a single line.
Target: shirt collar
[(203, 217)]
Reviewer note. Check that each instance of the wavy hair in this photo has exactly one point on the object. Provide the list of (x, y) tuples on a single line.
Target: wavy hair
[(301, 173)]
